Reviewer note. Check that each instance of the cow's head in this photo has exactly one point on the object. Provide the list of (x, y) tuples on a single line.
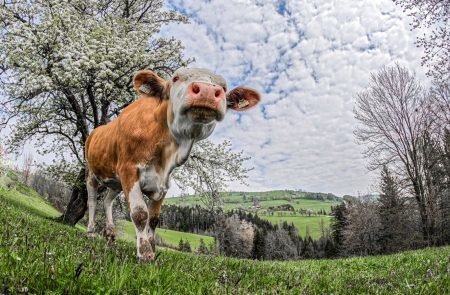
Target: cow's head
[(198, 99)]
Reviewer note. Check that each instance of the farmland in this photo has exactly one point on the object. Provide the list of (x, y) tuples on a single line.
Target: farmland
[(236, 200)]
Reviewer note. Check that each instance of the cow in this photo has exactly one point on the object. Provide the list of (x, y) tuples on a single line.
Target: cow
[(137, 151)]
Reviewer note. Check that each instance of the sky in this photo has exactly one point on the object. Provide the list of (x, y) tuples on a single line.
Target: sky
[(308, 59)]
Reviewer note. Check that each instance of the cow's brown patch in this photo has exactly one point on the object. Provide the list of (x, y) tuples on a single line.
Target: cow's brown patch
[(139, 216), (154, 222), (155, 210)]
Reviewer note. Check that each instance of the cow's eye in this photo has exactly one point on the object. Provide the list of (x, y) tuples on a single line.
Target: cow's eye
[(175, 79)]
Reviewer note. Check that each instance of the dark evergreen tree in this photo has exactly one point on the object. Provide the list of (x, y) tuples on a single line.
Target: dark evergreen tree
[(202, 249), (338, 225), (394, 230), (259, 244), (308, 250), (330, 249), (187, 247)]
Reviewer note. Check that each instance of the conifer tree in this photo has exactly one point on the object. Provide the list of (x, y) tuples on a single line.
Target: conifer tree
[(392, 209), (338, 225)]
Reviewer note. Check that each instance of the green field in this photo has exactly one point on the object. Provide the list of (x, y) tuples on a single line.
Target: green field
[(234, 200), (301, 222), (38, 255), (125, 231)]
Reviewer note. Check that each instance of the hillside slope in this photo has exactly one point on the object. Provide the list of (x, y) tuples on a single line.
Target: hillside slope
[(32, 201), (38, 255)]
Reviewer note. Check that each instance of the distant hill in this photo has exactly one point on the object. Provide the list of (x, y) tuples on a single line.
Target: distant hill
[(308, 211), (230, 197)]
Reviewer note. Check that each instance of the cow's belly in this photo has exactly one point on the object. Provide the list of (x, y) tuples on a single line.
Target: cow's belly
[(112, 183)]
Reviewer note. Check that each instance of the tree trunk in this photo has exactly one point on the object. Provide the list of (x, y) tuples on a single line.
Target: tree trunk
[(78, 201), (425, 216)]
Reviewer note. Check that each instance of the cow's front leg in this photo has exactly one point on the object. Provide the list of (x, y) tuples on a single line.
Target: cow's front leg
[(139, 214), (154, 209)]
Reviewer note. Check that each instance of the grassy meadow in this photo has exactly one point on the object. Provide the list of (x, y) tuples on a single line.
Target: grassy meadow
[(38, 255), (33, 202), (302, 222), (126, 232)]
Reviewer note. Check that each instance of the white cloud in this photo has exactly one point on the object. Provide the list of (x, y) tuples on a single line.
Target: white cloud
[(308, 58)]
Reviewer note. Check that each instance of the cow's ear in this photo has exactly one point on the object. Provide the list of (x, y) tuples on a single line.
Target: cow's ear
[(242, 98), (147, 83)]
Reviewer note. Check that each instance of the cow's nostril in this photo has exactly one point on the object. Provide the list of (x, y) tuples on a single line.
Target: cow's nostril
[(195, 88), (217, 93)]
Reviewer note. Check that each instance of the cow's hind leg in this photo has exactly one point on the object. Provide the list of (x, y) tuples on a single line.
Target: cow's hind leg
[(110, 229), (92, 188)]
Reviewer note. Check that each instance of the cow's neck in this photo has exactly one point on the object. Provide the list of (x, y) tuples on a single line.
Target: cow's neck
[(172, 153), (155, 176)]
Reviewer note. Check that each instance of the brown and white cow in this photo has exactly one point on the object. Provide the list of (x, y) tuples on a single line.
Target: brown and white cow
[(137, 151)]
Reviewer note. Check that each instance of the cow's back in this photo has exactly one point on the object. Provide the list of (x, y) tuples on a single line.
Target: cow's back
[(136, 136), (101, 151)]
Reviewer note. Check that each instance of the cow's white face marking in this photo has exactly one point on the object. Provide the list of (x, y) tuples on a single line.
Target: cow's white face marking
[(182, 126)]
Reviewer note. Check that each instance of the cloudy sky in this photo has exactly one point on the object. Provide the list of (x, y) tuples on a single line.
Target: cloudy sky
[(308, 58)]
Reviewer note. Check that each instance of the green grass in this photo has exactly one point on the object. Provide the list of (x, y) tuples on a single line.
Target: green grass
[(26, 197), (32, 201), (301, 222), (39, 256), (125, 231)]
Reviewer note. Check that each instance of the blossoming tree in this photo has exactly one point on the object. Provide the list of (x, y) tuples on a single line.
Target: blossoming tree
[(66, 68)]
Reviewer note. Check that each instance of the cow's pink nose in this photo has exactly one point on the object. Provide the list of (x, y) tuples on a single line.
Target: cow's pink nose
[(200, 90)]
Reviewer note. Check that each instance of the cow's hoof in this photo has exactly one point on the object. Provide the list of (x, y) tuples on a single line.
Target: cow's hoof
[(91, 234), (152, 242), (110, 234), (147, 258), (146, 253)]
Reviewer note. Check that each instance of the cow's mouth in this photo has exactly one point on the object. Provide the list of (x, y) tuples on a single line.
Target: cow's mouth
[(201, 114)]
